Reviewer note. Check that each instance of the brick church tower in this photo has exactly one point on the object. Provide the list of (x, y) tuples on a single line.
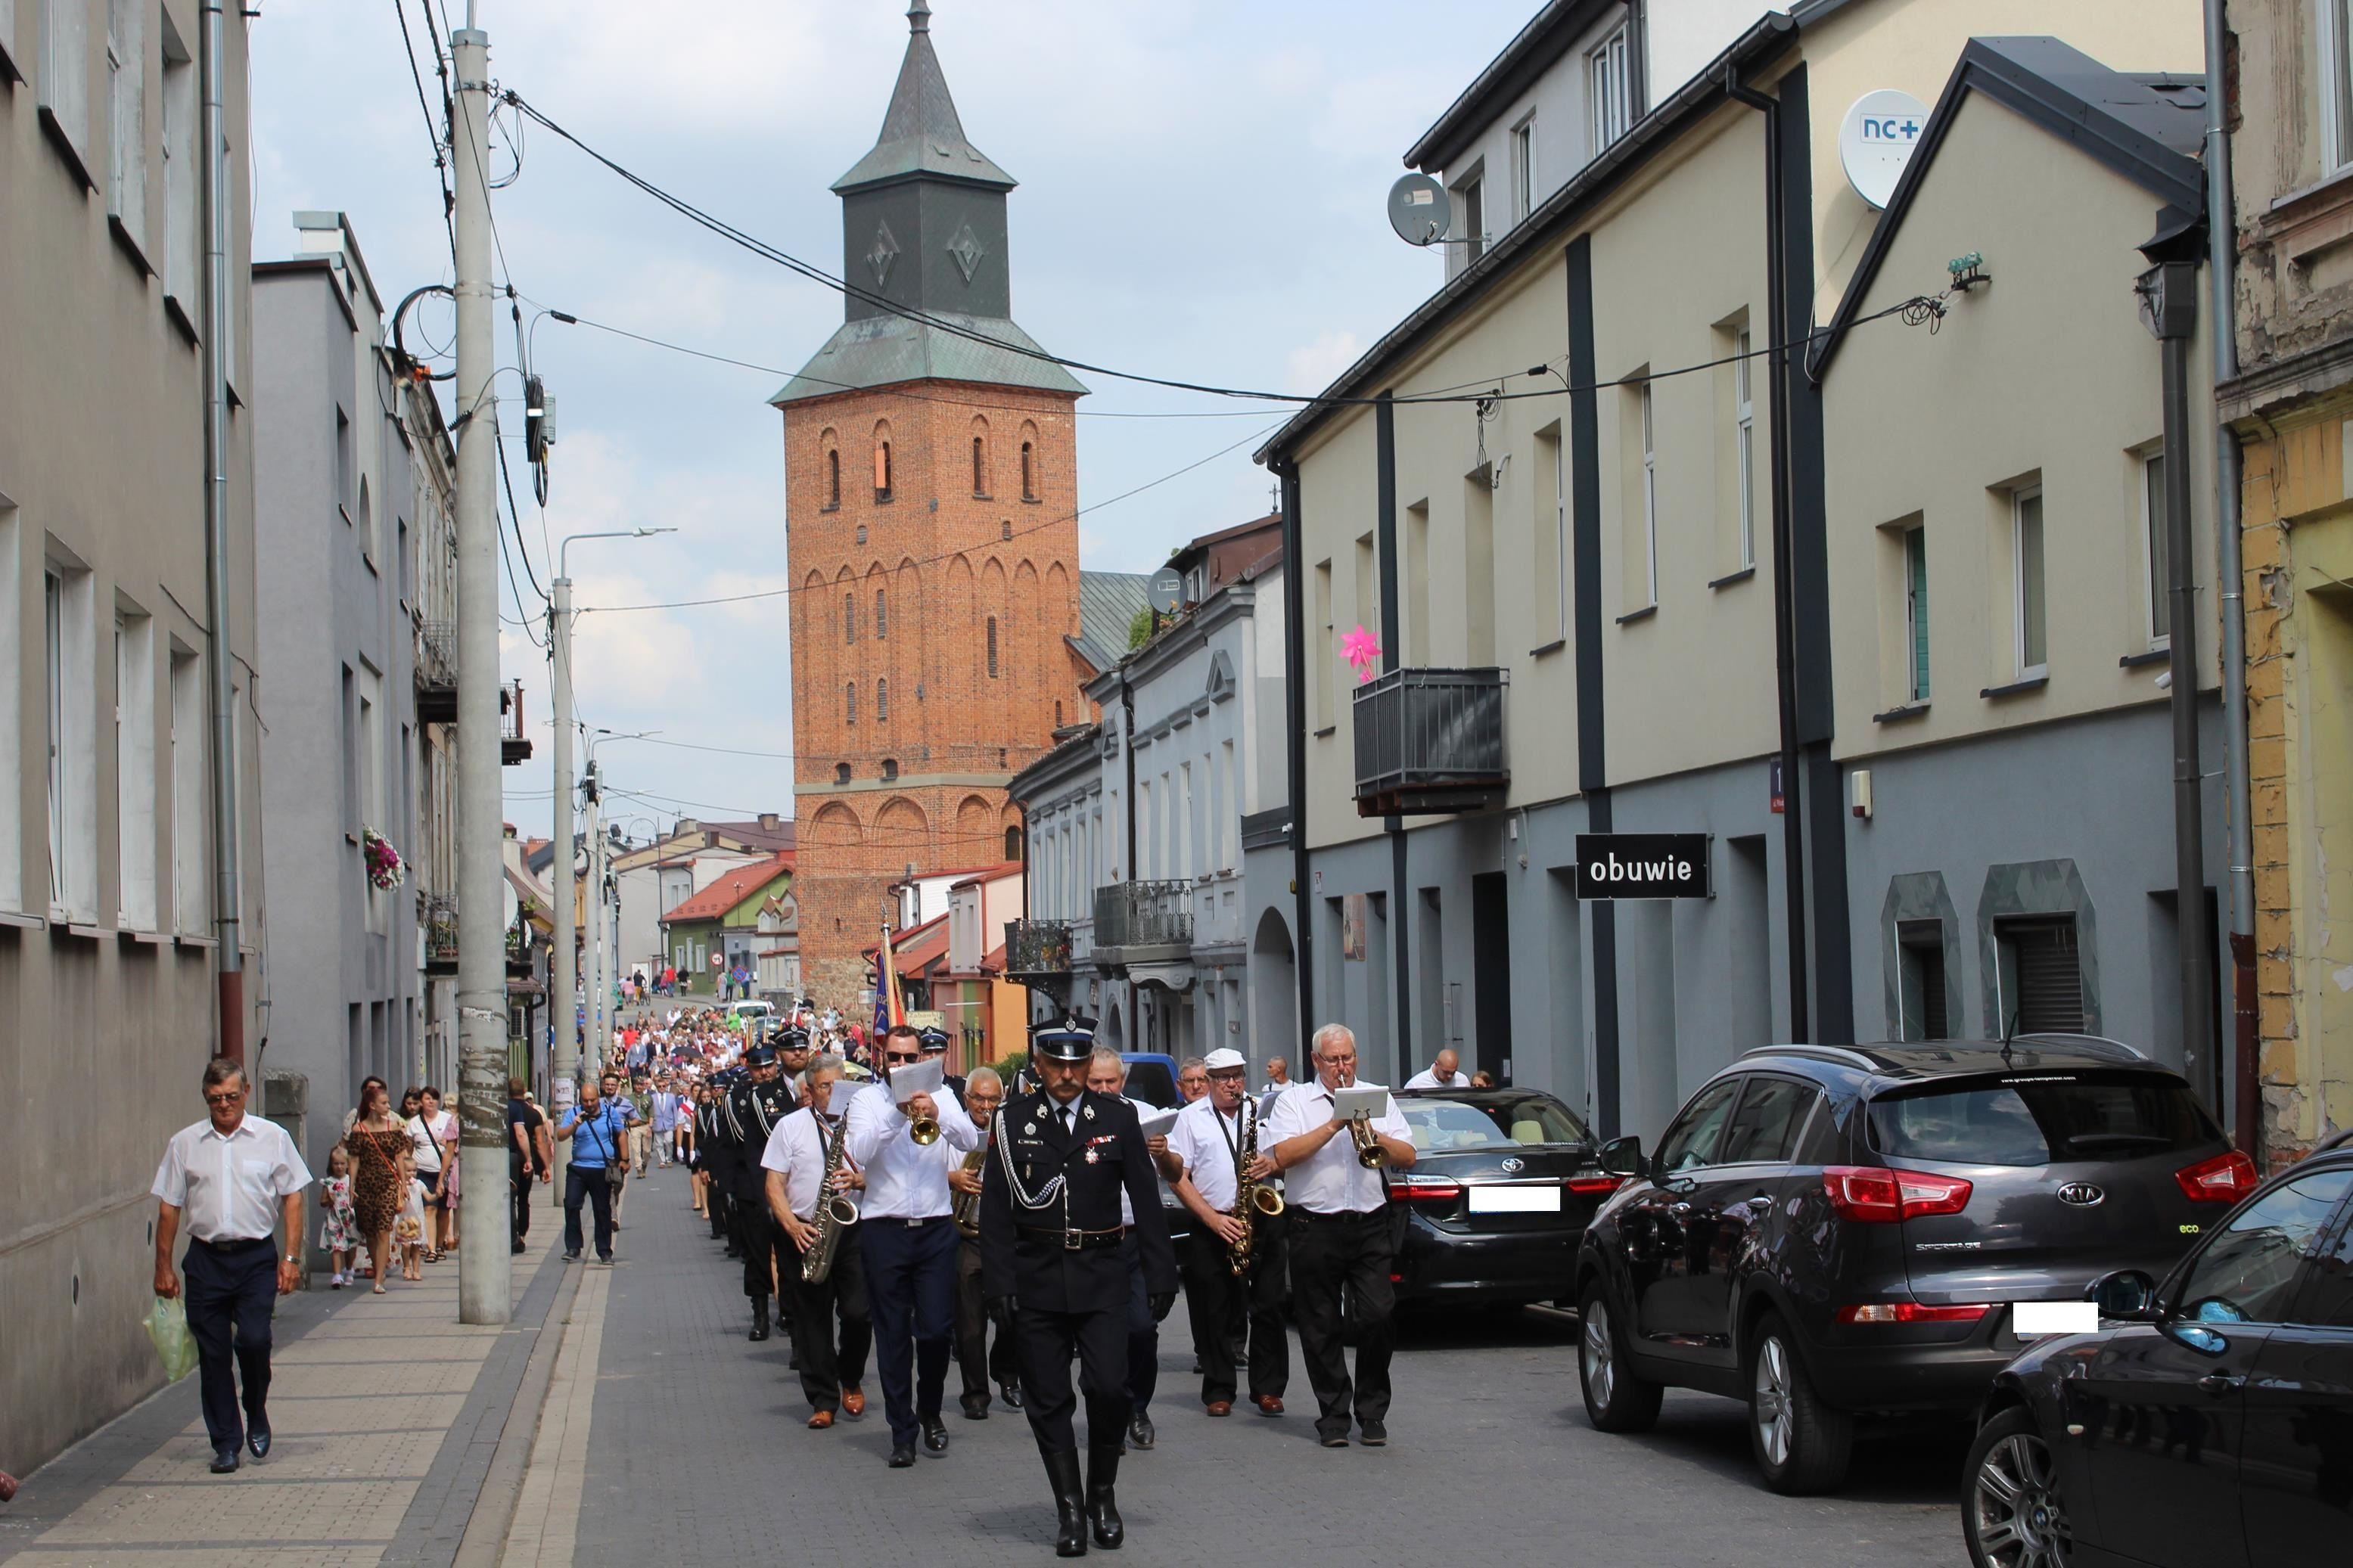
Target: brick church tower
[(931, 493)]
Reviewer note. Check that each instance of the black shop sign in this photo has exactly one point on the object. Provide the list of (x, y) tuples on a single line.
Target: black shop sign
[(1642, 866)]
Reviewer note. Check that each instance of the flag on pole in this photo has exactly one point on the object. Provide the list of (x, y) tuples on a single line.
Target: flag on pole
[(889, 1008)]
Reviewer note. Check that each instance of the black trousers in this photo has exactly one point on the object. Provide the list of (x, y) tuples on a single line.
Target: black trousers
[(1330, 1254), (975, 1359), (1225, 1311), (230, 1290), (519, 1195), (1047, 1342), (1143, 1333), (910, 1291), (763, 1241), (587, 1183), (828, 1366)]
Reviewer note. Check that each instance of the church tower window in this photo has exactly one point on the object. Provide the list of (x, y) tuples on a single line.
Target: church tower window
[(992, 648)]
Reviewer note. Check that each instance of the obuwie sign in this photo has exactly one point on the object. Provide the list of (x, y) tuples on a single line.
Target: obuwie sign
[(1642, 866)]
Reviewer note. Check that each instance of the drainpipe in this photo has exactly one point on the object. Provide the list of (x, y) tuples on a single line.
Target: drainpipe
[(1127, 749), (1785, 671), (2221, 255), (1295, 704), (229, 895)]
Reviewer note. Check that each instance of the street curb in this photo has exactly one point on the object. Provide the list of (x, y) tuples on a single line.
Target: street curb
[(484, 1544)]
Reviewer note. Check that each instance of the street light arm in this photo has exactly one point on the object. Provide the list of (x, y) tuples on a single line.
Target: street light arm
[(563, 550)]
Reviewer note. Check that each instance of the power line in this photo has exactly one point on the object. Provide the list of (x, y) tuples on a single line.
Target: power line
[(507, 481), (432, 131)]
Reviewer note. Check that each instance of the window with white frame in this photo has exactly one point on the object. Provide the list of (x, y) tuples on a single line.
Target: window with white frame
[(134, 768), (12, 691), (181, 174), (1472, 195), (1551, 529), (64, 77), (126, 100), (1744, 412), (1524, 169), (2161, 551), (9, 57), (1609, 89), (190, 893), (1650, 497), (1916, 615), (2335, 94), (71, 658), (2028, 606)]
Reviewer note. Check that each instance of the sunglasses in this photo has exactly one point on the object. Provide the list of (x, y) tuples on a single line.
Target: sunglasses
[(225, 1097), (903, 1056)]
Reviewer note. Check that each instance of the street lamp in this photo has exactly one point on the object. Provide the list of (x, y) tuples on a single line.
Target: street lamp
[(563, 1054), (600, 977)]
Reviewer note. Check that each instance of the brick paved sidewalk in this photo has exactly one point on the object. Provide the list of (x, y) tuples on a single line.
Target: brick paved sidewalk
[(387, 1417)]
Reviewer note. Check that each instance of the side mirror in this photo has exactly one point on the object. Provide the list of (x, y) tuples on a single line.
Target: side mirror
[(1623, 1157), (2127, 1294)]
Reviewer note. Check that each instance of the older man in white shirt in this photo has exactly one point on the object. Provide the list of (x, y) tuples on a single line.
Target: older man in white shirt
[(231, 1179), (1338, 1214), (1443, 1073)]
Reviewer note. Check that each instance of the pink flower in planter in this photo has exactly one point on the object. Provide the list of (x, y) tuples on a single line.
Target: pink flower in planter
[(1363, 650)]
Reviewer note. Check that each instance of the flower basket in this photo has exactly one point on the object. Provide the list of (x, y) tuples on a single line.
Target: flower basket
[(384, 868)]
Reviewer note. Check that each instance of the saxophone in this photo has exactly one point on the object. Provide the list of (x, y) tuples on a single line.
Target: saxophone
[(1251, 1199), (835, 1213), (966, 1207)]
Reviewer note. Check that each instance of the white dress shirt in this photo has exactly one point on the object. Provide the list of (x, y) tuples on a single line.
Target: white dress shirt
[(904, 1179), (796, 1148), (1331, 1180), (1209, 1143), (227, 1189), (1427, 1078)]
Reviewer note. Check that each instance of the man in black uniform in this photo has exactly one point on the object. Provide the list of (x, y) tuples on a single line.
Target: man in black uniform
[(1051, 1259), (724, 1148), (756, 1107), (934, 1041)]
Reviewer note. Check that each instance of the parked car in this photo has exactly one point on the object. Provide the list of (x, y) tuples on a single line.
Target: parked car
[(752, 1015), (1152, 1077), (1833, 1231), (1505, 1182), (2208, 1422)]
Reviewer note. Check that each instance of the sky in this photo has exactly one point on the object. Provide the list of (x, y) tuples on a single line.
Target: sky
[(1202, 189)]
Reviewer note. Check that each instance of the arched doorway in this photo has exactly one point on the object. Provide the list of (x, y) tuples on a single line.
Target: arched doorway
[(1274, 994)]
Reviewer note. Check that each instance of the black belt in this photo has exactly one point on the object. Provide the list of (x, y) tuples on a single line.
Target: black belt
[(1339, 1216), (909, 1224), (235, 1244), (1073, 1240)]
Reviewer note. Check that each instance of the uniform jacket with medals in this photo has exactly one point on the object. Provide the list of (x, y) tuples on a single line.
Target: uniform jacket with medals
[(1022, 1252), (756, 1108)]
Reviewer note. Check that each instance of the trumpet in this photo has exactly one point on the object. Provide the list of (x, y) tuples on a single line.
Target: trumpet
[(924, 1130), (1369, 1153)]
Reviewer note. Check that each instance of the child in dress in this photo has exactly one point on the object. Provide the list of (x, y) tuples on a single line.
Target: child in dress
[(409, 1231), (337, 1233)]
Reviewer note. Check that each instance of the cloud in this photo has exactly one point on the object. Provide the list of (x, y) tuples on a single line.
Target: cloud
[(1313, 366)]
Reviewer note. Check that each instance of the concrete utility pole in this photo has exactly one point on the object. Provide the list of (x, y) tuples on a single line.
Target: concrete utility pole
[(484, 1273), (563, 1048)]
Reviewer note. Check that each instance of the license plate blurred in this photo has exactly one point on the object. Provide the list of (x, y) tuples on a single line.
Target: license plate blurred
[(1514, 1200), (2038, 1319)]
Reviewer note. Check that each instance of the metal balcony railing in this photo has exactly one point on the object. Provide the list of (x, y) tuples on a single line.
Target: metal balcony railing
[(1036, 948), (1430, 740), (436, 672), (440, 921), (1131, 915), (515, 740)]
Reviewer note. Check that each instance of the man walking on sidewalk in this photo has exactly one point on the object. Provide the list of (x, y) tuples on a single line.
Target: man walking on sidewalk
[(233, 1177), (601, 1126)]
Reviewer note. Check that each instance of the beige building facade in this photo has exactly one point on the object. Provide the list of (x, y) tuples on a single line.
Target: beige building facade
[(108, 944)]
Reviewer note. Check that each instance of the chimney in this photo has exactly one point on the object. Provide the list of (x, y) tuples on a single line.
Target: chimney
[(770, 822)]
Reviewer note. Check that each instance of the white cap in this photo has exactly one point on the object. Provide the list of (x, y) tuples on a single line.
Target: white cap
[(1224, 1057)]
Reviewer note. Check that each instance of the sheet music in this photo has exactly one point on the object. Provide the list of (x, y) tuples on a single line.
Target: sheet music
[(917, 1077), (1364, 1099)]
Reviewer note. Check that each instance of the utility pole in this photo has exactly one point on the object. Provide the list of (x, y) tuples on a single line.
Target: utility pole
[(592, 911), (564, 1050), (485, 1285), (228, 894)]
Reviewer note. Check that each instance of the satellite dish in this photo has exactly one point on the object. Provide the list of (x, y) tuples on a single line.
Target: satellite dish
[(1876, 139), (1419, 210), (1167, 590)]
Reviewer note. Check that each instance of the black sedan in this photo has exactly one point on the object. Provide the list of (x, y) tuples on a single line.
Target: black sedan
[(2209, 1421), (1498, 1199)]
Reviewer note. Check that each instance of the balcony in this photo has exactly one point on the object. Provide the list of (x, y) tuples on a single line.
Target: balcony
[(515, 740), (1143, 923), (439, 919), (1037, 952), (436, 672), (1430, 740)]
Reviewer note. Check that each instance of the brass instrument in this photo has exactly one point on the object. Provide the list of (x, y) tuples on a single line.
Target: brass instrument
[(924, 1130), (1251, 1200), (835, 1213), (1369, 1153), (966, 1206)]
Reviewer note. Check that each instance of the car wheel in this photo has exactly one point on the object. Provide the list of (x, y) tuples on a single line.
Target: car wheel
[(2011, 1511), (1802, 1443), (1616, 1398)]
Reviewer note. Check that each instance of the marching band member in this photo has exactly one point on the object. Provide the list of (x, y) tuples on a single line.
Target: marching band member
[(756, 1107), (796, 1159), (1107, 1075), (1212, 1139), (984, 1092)]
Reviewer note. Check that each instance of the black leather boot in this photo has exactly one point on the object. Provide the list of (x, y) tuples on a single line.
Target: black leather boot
[(759, 1318), (1070, 1504), (1102, 1512)]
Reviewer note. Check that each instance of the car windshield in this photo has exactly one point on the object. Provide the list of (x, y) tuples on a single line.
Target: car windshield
[(1438, 1125), (1152, 1083), (2041, 1121)]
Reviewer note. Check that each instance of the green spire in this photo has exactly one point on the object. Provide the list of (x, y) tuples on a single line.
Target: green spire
[(920, 133)]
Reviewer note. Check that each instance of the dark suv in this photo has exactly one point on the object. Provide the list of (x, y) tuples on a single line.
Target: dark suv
[(1832, 1230)]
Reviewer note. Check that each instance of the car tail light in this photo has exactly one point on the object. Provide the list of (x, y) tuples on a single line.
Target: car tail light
[(1872, 1195), (1592, 1186), (1424, 1189), (1913, 1312), (2225, 1179)]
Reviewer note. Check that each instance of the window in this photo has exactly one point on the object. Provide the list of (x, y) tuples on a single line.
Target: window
[(135, 769), (1692, 1141), (2040, 979), (832, 479), (882, 470), (13, 690), (881, 618), (889, 770), (65, 83), (1744, 414), (2337, 84), (1920, 980), (182, 174), (1058, 715), (1472, 195), (1765, 1129), (1609, 89), (979, 466), (992, 648), (346, 465), (126, 97), (2026, 554), (1524, 169), (849, 704), (883, 702), (2249, 1274), (1013, 843), (2028, 1120), (1028, 471), (73, 748), (850, 617), (2161, 552), (1324, 717), (841, 772), (1650, 542), (1915, 616), (190, 895)]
